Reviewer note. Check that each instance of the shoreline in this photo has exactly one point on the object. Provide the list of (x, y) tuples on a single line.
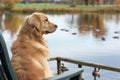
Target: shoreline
[(62, 8)]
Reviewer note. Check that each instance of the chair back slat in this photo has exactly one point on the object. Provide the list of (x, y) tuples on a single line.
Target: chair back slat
[(5, 60)]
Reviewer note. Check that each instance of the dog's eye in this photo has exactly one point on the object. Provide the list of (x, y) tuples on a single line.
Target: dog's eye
[(46, 20)]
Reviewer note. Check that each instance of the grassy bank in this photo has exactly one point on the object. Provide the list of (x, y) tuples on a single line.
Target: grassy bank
[(64, 8)]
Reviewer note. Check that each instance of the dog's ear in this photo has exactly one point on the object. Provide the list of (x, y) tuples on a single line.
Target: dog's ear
[(34, 21)]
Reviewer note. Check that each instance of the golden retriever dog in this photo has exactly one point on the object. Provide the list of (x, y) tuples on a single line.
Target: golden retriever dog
[(29, 51)]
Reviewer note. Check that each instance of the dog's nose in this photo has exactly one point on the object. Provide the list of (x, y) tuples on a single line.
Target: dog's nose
[(55, 26)]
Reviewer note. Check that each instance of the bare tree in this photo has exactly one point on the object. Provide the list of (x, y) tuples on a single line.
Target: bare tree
[(86, 2), (26, 1), (72, 3), (98, 2), (1, 1), (92, 2)]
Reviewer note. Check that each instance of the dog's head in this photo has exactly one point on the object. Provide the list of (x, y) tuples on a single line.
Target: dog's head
[(41, 23)]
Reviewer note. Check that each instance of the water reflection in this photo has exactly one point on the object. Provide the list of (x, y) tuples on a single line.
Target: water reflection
[(10, 22), (91, 23), (85, 23)]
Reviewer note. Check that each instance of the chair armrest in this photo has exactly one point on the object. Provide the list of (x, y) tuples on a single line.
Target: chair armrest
[(67, 75)]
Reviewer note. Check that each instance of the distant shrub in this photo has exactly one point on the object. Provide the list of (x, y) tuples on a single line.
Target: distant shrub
[(29, 10), (117, 1), (8, 4)]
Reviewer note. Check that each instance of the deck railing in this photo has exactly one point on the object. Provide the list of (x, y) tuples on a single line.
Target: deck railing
[(96, 67)]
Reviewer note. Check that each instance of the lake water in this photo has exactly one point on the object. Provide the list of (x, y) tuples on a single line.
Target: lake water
[(85, 37)]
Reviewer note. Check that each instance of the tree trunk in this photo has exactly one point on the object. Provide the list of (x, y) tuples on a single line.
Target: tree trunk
[(98, 2), (92, 2), (86, 2), (26, 1), (72, 3)]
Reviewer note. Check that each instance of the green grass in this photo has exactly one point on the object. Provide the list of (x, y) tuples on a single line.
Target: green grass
[(40, 5), (52, 7)]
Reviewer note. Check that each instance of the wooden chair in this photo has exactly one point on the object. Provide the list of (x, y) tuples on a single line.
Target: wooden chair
[(7, 72)]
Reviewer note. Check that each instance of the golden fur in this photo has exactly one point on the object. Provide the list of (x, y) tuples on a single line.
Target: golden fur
[(30, 53)]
